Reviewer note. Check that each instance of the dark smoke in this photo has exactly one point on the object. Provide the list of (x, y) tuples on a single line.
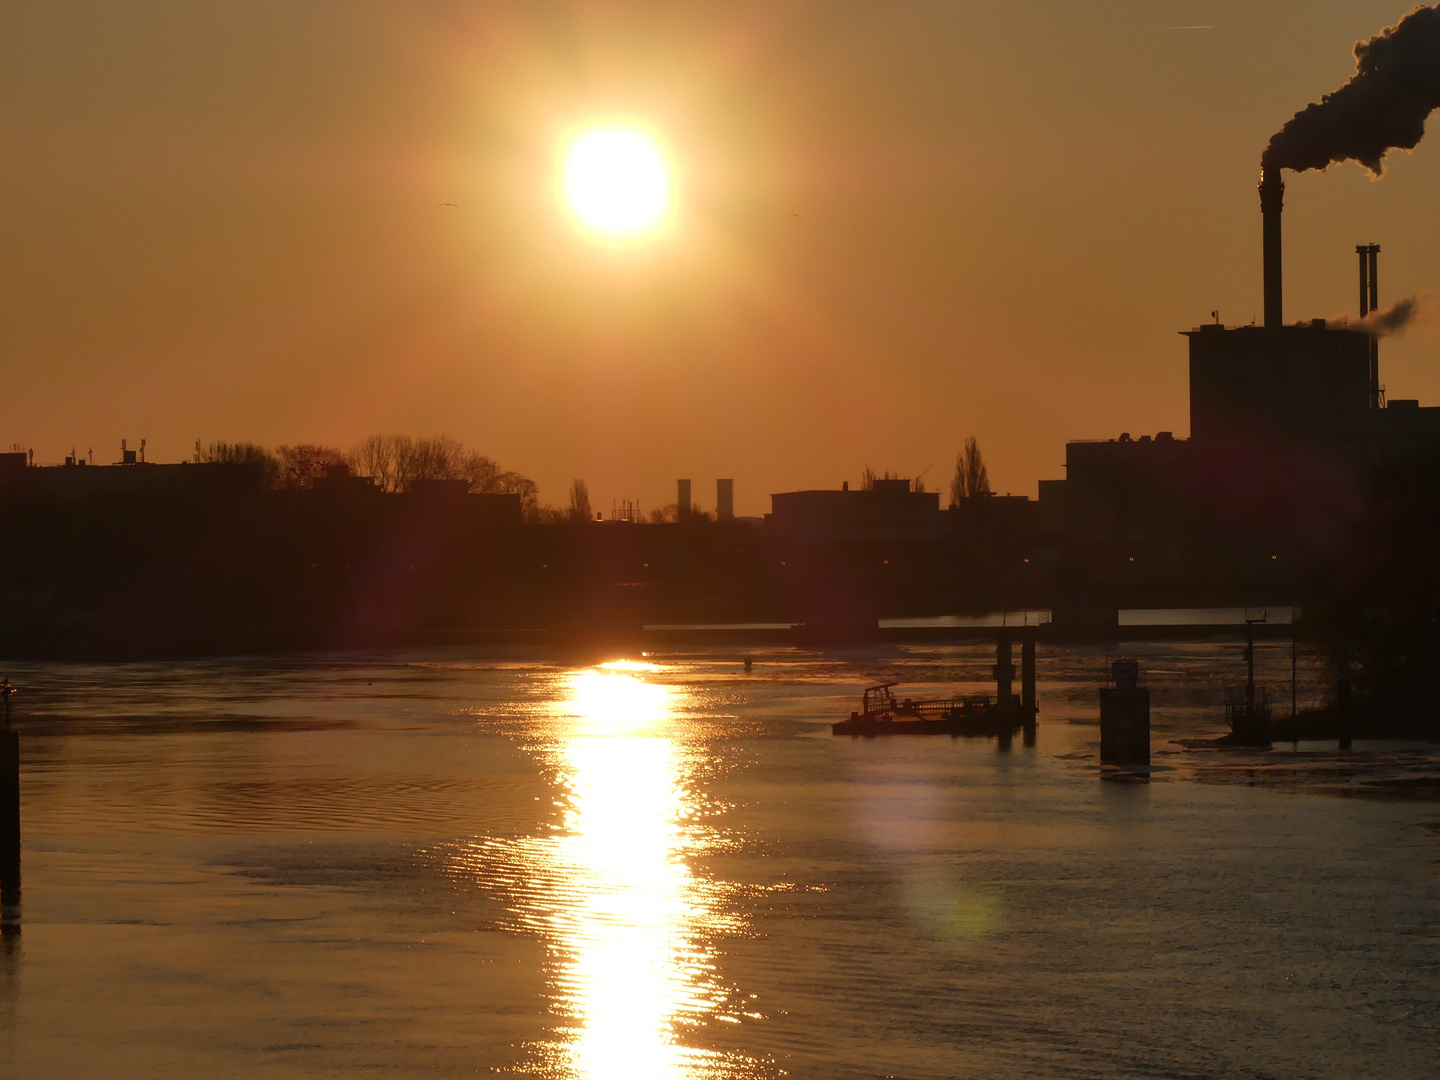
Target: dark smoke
[(1383, 107), (1387, 322)]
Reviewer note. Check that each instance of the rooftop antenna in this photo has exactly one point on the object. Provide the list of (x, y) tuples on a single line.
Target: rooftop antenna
[(142, 451), (1216, 316)]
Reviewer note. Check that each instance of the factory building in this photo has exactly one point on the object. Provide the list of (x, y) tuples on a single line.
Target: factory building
[(1286, 422), (888, 509), (1308, 381)]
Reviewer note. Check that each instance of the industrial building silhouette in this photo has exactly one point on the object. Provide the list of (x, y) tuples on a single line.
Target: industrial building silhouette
[(1271, 491)]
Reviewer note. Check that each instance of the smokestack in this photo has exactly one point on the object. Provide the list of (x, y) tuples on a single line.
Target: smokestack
[(724, 500), (1363, 250), (1370, 301), (682, 498), (1383, 107), (1374, 276), (1272, 200)]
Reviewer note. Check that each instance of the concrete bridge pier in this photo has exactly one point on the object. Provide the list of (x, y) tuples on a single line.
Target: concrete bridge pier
[(1004, 674)]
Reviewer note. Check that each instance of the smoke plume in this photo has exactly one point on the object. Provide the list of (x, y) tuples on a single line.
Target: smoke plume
[(1393, 320), (1383, 107)]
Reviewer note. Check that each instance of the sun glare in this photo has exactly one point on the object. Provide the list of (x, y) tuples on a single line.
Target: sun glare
[(616, 181)]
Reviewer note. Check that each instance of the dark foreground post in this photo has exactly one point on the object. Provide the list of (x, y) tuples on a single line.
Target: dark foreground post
[(1344, 699), (1125, 718), (1028, 705), (9, 819), (1004, 672)]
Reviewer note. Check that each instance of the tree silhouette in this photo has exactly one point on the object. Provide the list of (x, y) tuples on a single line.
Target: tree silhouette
[(580, 502), (301, 465), (398, 462), (971, 476), (244, 453)]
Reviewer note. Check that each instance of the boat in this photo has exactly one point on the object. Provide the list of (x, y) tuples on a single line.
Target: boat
[(973, 715), (1249, 717), (1250, 721)]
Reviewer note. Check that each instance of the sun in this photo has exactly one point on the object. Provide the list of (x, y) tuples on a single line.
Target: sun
[(616, 181)]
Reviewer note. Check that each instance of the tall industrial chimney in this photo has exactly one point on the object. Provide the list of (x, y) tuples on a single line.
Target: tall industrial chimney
[(1369, 301), (724, 500), (682, 498), (1272, 200), (1369, 286)]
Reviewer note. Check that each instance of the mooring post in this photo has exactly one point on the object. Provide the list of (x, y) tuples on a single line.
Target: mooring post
[(1004, 672), (1295, 707), (9, 819), (1250, 668), (1028, 705), (1125, 719), (1344, 702)]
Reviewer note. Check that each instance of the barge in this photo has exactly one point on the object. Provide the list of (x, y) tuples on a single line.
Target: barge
[(974, 715)]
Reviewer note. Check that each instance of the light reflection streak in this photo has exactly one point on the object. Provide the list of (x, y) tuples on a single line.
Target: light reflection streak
[(629, 924)]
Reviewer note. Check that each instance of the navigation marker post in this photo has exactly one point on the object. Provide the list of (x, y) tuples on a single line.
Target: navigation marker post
[(9, 820)]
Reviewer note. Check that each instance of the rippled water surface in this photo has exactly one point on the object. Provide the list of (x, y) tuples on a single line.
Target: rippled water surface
[(441, 864)]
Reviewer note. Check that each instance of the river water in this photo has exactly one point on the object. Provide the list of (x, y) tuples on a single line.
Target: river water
[(443, 864)]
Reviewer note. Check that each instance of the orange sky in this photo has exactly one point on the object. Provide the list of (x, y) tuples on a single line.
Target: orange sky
[(898, 225)]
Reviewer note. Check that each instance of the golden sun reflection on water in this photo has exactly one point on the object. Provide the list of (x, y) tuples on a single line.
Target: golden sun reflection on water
[(628, 922)]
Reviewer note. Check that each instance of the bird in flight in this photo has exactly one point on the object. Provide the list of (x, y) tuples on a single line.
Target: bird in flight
[(456, 205)]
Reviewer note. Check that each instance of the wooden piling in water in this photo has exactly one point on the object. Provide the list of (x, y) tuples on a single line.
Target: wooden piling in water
[(9, 826), (9, 819), (1028, 705), (1344, 699)]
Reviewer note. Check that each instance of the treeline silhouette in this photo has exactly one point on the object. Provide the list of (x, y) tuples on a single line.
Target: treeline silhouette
[(263, 552), (255, 548), (396, 463), (971, 478)]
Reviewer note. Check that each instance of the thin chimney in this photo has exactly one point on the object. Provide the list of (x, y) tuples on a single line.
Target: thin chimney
[(1272, 200), (1369, 301), (1363, 250), (724, 500)]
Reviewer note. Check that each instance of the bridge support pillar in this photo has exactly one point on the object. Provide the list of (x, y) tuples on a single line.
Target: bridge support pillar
[(1004, 674)]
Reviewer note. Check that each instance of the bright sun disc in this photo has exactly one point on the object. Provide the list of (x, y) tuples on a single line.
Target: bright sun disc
[(616, 181)]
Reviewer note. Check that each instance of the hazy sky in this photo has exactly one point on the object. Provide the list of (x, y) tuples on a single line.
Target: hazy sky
[(899, 224)]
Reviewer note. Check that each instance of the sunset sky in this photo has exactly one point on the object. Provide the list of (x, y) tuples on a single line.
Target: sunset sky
[(893, 225)]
